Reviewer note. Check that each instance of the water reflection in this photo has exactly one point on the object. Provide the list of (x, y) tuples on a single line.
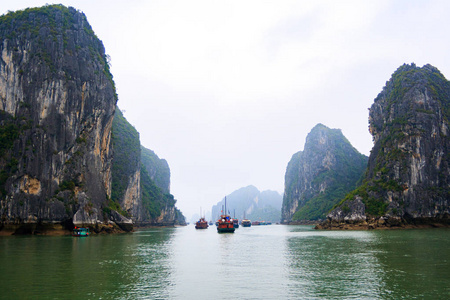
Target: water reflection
[(261, 262), (152, 250), (414, 263), (332, 265)]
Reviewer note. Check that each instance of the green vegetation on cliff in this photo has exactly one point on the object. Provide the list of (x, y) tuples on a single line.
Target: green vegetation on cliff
[(126, 157), (158, 169), (153, 198), (49, 29), (408, 170), (321, 175), (130, 158)]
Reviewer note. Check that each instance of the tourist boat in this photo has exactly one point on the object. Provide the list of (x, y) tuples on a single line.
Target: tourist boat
[(77, 231), (201, 224), (236, 223), (246, 223), (225, 223)]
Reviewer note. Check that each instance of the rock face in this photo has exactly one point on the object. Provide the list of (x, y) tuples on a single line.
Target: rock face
[(318, 177), (126, 167), (57, 102), (57, 106), (140, 180), (407, 180), (256, 205), (157, 168)]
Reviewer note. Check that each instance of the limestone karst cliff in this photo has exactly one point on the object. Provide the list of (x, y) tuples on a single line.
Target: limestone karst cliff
[(319, 176), (57, 101), (126, 168), (407, 180), (57, 105), (158, 169), (140, 179)]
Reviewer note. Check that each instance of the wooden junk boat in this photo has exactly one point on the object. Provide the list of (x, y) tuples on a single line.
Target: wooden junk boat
[(246, 223), (225, 223), (201, 224)]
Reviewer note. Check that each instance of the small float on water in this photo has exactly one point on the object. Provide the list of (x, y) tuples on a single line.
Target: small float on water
[(80, 231)]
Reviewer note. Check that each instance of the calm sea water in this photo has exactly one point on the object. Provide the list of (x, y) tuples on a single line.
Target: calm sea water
[(261, 262)]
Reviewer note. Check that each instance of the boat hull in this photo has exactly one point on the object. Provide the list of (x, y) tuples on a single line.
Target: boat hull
[(225, 230), (201, 226)]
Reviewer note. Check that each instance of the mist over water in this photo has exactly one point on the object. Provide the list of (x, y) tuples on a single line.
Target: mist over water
[(260, 262)]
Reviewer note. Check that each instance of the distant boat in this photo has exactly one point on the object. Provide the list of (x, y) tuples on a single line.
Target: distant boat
[(225, 223), (201, 224), (246, 223), (236, 223), (77, 231)]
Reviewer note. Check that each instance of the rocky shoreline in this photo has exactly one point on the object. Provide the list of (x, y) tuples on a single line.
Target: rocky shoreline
[(384, 223)]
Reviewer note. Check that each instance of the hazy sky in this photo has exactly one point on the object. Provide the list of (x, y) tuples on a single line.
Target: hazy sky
[(226, 91)]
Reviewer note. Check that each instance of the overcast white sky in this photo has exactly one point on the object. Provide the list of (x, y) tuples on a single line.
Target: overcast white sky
[(226, 91)]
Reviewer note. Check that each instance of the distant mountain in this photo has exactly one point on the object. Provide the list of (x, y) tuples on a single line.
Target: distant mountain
[(318, 177), (256, 205), (408, 176)]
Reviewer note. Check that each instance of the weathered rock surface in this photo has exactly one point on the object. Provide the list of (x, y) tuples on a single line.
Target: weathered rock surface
[(126, 167), (57, 106), (318, 177), (57, 101), (407, 181)]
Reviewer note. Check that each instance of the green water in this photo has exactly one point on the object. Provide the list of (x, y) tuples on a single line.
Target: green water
[(261, 262)]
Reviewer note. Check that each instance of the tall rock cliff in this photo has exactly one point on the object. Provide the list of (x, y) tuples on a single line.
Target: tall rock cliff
[(126, 168), (319, 176), (157, 168), (140, 180), (407, 180), (57, 101)]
